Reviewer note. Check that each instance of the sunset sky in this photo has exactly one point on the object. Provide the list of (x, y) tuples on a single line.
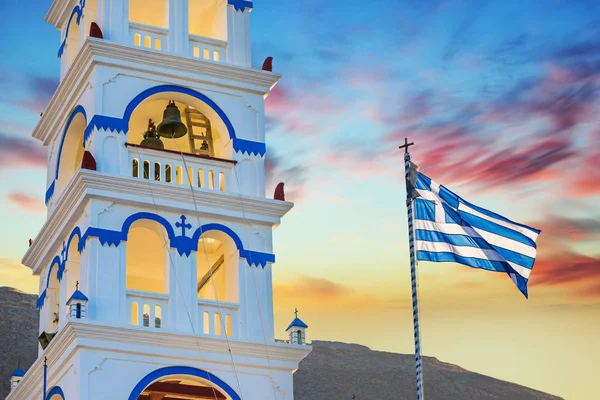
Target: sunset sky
[(502, 99)]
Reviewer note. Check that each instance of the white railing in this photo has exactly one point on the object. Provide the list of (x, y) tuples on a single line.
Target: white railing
[(149, 37), (147, 310), (168, 167), (218, 319), (208, 49)]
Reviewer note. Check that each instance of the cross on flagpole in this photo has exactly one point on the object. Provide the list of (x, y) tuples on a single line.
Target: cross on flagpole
[(413, 268)]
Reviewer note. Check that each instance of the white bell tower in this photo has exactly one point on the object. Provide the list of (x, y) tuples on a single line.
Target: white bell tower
[(156, 258)]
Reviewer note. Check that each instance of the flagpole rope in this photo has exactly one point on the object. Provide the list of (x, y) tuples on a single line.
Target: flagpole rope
[(413, 277)]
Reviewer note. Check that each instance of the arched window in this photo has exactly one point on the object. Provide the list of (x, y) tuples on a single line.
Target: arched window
[(149, 12), (217, 267), (70, 149), (147, 264), (72, 268), (53, 299), (205, 130), (299, 337), (208, 18), (72, 42)]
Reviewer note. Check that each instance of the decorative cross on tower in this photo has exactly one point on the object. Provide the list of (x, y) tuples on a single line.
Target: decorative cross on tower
[(406, 145), (296, 312), (77, 285), (183, 225)]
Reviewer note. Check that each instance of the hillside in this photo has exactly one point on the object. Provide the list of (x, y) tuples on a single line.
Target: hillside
[(336, 371), (18, 333), (333, 371)]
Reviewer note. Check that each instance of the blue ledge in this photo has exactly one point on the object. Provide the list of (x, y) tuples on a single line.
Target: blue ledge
[(241, 5)]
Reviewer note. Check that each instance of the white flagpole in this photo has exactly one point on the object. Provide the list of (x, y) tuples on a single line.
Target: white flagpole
[(413, 270)]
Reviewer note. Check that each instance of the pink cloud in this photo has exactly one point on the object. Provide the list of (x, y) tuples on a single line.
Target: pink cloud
[(16, 152), (27, 202)]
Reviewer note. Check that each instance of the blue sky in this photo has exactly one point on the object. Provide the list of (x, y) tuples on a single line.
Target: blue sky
[(502, 100)]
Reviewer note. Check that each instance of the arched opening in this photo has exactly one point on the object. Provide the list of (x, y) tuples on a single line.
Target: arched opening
[(71, 149), (72, 40), (149, 12), (182, 383), (206, 134), (217, 268), (147, 265), (299, 337), (208, 18), (53, 299), (72, 267)]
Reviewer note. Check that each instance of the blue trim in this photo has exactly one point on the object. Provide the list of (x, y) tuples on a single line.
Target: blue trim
[(61, 263), (40, 301), (55, 261), (77, 295), (121, 125), (183, 244), (249, 147), (179, 370), (76, 10), (77, 110), (240, 5), (50, 192), (297, 323), (19, 373), (56, 390)]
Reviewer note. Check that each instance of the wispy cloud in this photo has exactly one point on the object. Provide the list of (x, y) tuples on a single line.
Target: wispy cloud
[(41, 90), (16, 152), (286, 170), (26, 202)]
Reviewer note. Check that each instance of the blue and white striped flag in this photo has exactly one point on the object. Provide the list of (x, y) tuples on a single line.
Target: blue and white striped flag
[(450, 229)]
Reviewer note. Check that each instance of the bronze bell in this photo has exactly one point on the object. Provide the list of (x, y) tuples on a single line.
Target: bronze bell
[(151, 138), (171, 127)]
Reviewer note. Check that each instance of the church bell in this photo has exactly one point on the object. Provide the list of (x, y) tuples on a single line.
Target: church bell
[(171, 127), (151, 138)]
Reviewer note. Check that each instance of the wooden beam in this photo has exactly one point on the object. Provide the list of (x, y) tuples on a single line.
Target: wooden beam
[(211, 272), (195, 392)]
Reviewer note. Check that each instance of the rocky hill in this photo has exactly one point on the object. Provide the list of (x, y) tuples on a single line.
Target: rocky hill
[(333, 371), (18, 333), (336, 371)]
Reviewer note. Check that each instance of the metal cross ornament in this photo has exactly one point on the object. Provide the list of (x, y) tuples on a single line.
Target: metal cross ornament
[(406, 145), (296, 312), (183, 225)]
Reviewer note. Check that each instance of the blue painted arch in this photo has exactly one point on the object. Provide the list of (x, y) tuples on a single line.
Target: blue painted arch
[(122, 124), (56, 391), (180, 370), (183, 244), (61, 263), (77, 10), (76, 111)]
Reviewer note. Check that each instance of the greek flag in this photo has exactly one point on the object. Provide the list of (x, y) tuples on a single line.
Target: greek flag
[(450, 229)]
